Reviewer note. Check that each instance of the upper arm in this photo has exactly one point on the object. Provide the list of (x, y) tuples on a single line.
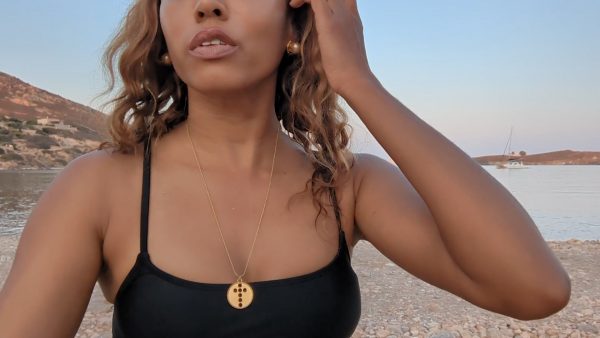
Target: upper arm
[(391, 215), (59, 255)]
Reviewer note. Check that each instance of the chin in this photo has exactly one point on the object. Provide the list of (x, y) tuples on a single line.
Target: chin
[(228, 77), (220, 83)]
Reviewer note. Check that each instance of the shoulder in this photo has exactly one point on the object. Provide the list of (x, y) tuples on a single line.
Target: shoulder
[(368, 165), (105, 163), (92, 162), (375, 181), (94, 168), (93, 176)]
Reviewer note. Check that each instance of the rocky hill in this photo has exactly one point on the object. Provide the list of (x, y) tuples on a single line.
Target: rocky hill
[(39, 129)]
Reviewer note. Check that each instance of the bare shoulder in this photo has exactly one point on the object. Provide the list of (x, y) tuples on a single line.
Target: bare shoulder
[(367, 163), (61, 245), (85, 176), (367, 166), (91, 175)]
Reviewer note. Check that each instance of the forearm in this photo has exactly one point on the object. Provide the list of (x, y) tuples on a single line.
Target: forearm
[(484, 228)]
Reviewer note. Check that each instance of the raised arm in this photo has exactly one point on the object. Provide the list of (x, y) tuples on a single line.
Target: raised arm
[(59, 255), (438, 214)]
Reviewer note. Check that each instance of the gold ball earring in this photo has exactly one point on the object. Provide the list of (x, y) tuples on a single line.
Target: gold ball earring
[(293, 48), (165, 59)]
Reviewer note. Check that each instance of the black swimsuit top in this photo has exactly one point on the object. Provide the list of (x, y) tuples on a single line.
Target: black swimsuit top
[(153, 303)]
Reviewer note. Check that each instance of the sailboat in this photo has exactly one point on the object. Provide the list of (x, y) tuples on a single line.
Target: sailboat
[(514, 159)]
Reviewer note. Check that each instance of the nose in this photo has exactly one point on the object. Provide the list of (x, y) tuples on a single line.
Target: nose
[(210, 8)]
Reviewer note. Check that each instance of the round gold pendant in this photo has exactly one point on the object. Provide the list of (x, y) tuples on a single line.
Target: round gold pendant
[(240, 294)]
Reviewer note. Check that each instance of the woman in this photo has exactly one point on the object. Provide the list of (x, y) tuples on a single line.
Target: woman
[(207, 86)]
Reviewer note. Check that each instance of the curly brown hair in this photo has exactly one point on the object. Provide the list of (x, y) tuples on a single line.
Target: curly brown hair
[(153, 98)]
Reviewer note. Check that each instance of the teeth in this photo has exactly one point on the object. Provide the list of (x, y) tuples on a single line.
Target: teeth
[(213, 42)]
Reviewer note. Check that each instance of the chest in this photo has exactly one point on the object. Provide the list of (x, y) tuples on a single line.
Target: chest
[(204, 239)]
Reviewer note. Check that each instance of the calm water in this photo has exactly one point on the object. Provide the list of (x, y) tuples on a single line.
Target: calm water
[(564, 201)]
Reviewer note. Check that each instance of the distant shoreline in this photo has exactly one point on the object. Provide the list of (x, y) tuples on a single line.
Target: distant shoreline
[(483, 164), (30, 169), (562, 157)]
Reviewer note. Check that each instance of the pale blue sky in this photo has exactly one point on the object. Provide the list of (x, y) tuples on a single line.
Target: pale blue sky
[(471, 69)]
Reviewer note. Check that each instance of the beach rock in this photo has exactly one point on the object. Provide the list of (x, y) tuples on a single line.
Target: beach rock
[(432, 325), (493, 332), (414, 330), (382, 333), (588, 328), (443, 334), (587, 312)]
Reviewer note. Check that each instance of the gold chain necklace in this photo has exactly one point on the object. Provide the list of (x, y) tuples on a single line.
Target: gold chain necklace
[(239, 294)]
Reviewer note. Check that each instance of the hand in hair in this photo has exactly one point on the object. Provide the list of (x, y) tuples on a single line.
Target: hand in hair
[(341, 42)]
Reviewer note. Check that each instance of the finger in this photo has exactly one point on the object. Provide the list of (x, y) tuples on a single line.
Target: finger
[(298, 3)]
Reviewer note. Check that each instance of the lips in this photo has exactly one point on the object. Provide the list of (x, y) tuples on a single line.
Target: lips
[(207, 35)]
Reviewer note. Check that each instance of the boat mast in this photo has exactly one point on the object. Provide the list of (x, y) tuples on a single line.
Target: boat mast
[(508, 143)]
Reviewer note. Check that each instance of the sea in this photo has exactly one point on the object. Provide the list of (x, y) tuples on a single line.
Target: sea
[(563, 200)]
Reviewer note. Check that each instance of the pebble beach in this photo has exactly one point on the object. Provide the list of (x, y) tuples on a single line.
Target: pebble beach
[(397, 304)]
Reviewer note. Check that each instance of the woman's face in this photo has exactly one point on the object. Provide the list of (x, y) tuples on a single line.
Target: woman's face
[(260, 28)]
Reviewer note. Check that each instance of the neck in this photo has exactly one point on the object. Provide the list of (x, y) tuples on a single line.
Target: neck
[(236, 132)]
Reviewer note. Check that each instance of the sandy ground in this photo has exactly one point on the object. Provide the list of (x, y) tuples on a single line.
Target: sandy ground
[(396, 304)]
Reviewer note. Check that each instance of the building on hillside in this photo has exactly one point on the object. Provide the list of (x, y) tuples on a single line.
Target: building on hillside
[(48, 121), (63, 126), (56, 124)]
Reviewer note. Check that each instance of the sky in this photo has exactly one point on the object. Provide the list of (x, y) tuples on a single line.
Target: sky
[(470, 69)]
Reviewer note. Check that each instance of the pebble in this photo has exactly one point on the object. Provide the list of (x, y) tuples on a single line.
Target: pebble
[(383, 333), (589, 328), (443, 334)]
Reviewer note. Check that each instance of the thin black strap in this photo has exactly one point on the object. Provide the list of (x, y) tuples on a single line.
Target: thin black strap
[(145, 197), (342, 244), (336, 210)]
